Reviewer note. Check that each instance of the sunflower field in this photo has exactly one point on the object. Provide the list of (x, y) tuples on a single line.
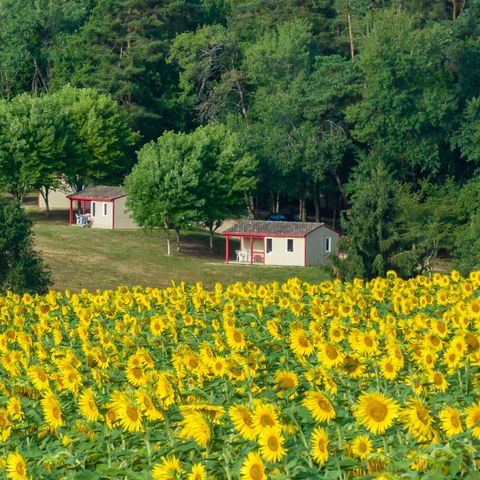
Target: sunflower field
[(374, 379)]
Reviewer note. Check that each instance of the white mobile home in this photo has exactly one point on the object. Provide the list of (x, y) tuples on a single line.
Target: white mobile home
[(100, 207), (281, 243)]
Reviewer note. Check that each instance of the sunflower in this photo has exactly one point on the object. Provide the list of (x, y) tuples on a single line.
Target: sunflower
[(389, 368), (271, 445), (300, 343), (5, 426), (16, 467), (253, 468), (264, 416), (438, 381), (452, 359), (88, 407), (198, 472), (473, 419), (148, 408), (417, 419), (451, 423), (127, 414), (235, 339), (364, 343), (319, 441), (353, 366), (164, 388), (168, 469), (39, 378), (213, 412), (330, 356), (218, 366), (136, 376), (14, 408), (195, 425), (156, 326), (285, 381), (52, 411), (361, 446), (375, 411), (110, 418), (242, 419), (319, 406), (273, 327)]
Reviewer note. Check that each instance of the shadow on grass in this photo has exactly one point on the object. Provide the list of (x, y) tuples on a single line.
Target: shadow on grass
[(56, 217)]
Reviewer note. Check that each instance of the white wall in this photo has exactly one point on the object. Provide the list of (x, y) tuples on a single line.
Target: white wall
[(123, 218), (57, 200), (100, 220), (316, 241), (279, 254)]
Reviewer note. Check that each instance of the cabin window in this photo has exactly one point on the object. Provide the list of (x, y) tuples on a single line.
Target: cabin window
[(269, 245), (289, 244), (93, 208), (105, 209), (328, 244)]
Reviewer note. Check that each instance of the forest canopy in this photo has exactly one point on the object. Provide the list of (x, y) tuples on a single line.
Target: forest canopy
[(362, 114)]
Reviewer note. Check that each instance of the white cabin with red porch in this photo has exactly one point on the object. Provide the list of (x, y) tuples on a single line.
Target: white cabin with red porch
[(100, 207), (280, 243)]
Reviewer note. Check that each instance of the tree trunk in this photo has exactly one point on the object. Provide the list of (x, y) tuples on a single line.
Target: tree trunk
[(210, 229), (350, 35), (249, 203), (316, 202), (277, 202), (301, 209), (334, 220), (167, 230), (339, 183), (272, 199), (454, 10), (177, 238), (256, 210), (45, 195)]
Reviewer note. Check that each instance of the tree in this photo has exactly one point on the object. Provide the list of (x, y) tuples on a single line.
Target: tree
[(98, 140), (128, 43), (21, 269), (79, 135), (183, 179), (31, 33), (211, 78), (226, 175), (409, 100), (32, 146), (372, 241), (162, 187)]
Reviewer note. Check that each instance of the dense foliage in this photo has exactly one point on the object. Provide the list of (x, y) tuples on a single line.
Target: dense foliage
[(362, 380), (319, 93), (21, 269)]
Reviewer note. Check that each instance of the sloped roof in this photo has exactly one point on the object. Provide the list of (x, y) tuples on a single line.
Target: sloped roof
[(262, 227), (103, 192)]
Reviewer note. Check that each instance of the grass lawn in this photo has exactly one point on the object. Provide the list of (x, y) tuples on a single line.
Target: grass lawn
[(103, 259)]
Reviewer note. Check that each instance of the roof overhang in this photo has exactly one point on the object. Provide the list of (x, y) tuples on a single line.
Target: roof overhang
[(263, 235)]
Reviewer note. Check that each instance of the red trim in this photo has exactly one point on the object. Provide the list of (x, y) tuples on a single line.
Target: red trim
[(226, 248), (90, 199), (263, 235), (251, 249), (113, 215)]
